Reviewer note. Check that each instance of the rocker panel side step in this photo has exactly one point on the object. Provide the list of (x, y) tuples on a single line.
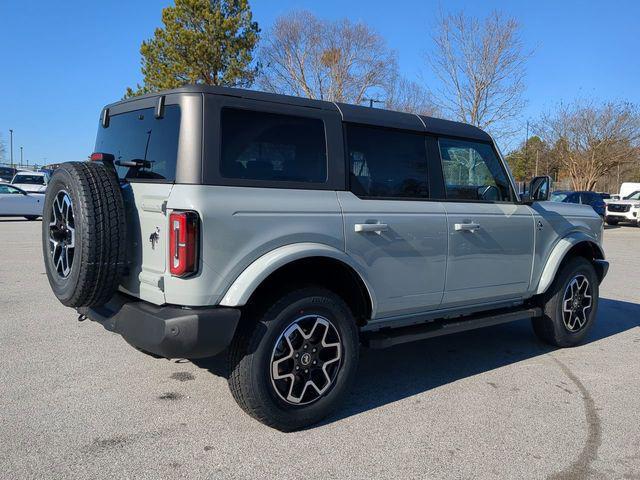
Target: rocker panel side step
[(389, 337)]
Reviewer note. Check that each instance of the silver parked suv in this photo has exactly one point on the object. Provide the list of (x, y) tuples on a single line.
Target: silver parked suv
[(288, 231)]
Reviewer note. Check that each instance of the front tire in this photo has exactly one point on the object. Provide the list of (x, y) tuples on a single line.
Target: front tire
[(612, 222), (292, 364), (570, 305)]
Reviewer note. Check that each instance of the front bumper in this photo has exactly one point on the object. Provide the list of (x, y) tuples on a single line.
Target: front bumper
[(630, 216), (167, 331)]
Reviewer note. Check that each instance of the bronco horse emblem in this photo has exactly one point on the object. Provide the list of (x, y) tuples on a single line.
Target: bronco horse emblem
[(154, 238)]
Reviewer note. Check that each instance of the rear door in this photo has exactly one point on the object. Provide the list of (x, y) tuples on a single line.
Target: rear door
[(392, 228), (491, 235)]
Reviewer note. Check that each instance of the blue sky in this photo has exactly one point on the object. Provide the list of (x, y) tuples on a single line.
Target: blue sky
[(62, 61)]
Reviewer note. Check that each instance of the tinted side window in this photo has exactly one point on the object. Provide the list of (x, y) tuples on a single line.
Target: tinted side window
[(473, 172), (138, 135), (386, 163), (272, 147)]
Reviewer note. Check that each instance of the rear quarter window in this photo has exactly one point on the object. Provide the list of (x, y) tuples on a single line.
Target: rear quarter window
[(138, 135), (272, 147)]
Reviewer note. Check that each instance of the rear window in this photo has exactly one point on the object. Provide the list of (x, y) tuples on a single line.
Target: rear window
[(139, 136), (272, 147), (29, 179)]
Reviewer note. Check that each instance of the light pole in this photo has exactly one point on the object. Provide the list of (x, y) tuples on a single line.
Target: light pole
[(11, 143), (21, 156)]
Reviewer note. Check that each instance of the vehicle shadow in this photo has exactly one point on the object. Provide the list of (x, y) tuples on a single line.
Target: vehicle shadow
[(386, 376)]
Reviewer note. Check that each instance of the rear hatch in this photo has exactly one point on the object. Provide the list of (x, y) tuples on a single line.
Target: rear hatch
[(145, 149)]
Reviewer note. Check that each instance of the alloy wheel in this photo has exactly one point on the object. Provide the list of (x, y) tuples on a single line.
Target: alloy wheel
[(576, 303), (62, 234), (306, 360)]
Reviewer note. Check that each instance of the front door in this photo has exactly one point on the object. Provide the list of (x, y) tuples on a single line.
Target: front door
[(491, 235), (392, 228)]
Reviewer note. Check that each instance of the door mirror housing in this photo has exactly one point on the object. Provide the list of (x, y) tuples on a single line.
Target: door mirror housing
[(539, 190)]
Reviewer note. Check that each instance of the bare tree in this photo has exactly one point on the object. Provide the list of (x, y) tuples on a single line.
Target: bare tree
[(592, 140), (328, 60), (481, 68), (408, 96)]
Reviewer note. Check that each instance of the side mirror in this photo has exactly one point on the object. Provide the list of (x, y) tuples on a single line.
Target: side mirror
[(539, 190)]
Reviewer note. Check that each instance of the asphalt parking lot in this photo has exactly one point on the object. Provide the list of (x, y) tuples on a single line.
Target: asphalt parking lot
[(78, 402)]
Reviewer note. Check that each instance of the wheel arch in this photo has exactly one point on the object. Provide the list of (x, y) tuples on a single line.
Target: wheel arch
[(318, 263), (575, 244)]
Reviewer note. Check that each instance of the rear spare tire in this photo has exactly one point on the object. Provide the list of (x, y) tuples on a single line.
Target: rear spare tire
[(83, 234)]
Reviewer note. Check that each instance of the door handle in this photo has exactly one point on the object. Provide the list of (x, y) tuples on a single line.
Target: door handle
[(467, 227), (371, 227)]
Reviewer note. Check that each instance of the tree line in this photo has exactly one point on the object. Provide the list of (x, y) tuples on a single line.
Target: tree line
[(479, 64)]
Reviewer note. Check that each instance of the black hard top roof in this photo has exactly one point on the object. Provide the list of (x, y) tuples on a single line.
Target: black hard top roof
[(350, 113)]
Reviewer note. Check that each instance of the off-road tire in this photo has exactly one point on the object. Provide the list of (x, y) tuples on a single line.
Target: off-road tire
[(100, 234), (251, 351), (550, 327)]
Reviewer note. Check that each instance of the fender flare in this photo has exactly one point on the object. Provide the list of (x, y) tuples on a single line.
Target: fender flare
[(558, 254), (249, 280)]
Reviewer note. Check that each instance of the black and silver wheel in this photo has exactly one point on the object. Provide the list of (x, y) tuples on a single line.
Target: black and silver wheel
[(83, 234), (62, 234), (306, 360), (570, 304), (576, 303), (291, 365)]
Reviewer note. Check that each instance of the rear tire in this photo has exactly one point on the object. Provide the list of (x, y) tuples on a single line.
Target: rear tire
[(83, 234), (271, 370), (570, 305)]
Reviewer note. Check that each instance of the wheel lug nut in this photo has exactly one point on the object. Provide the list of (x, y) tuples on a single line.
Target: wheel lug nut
[(297, 355), (315, 362), (314, 350), (306, 346), (306, 370), (297, 367)]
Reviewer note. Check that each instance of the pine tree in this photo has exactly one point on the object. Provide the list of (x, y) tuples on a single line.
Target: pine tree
[(202, 42)]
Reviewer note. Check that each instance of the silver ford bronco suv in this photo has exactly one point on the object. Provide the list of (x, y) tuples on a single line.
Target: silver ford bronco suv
[(286, 232)]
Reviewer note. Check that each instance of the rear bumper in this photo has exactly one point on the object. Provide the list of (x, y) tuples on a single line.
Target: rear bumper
[(167, 331)]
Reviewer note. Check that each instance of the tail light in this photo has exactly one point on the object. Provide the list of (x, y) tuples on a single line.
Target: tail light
[(183, 243), (101, 157)]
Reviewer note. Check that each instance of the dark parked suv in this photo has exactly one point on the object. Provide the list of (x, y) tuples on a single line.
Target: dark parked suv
[(595, 200)]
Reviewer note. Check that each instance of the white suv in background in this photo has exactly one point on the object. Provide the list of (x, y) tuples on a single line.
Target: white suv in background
[(625, 210), (32, 182)]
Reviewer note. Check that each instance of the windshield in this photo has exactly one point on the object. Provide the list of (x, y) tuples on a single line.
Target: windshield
[(633, 196), (29, 179), (559, 197)]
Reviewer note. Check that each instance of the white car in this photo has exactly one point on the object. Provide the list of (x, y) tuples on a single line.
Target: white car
[(625, 210), (31, 181), (15, 202)]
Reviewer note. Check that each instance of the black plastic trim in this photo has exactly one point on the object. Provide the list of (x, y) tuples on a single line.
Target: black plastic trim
[(167, 331), (389, 337)]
